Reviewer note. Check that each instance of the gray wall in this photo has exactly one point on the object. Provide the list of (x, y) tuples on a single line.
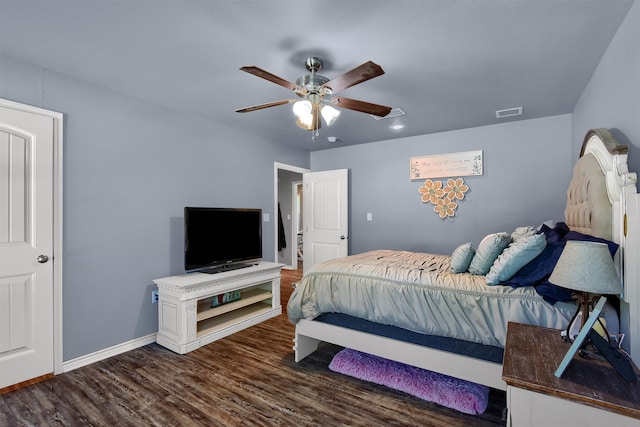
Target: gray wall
[(129, 169), (526, 164), (612, 97)]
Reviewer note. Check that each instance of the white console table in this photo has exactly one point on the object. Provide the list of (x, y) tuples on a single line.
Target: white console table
[(187, 318)]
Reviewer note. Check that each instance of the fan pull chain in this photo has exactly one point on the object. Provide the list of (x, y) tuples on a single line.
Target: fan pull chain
[(317, 131)]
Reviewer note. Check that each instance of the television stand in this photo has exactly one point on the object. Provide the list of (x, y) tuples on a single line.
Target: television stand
[(188, 319), (227, 267)]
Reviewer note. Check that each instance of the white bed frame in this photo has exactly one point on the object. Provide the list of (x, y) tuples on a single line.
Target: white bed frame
[(621, 188)]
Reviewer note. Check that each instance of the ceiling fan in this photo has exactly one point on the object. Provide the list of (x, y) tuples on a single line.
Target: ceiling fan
[(316, 91)]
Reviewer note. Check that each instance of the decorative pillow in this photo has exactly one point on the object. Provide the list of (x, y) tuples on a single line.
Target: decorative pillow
[(536, 272), (461, 258), (514, 257), (522, 232), (488, 250), (541, 266)]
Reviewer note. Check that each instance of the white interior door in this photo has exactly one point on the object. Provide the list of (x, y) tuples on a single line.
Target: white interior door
[(326, 216), (26, 245)]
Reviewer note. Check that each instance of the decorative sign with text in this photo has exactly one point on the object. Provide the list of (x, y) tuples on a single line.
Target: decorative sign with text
[(466, 163)]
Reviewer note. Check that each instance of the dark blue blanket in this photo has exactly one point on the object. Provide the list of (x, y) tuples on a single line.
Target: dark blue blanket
[(537, 272)]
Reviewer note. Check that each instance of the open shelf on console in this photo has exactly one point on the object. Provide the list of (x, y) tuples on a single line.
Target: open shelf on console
[(231, 318), (249, 297)]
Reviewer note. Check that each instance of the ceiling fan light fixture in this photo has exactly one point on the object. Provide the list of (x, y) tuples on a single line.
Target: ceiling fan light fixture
[(307, 116), (303, 110), (329, 114), (306, 125)]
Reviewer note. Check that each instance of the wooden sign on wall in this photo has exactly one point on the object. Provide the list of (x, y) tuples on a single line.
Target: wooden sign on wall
[(466, 163)]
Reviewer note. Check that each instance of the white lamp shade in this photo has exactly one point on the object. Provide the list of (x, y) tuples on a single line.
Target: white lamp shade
[(303, 111), (588, 267), (301, 108), (329, 114)]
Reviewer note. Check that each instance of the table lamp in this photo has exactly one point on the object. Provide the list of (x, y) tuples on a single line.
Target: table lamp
[(586, 268)]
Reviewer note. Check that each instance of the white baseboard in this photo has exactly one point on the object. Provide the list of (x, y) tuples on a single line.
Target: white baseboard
[(97, 356)]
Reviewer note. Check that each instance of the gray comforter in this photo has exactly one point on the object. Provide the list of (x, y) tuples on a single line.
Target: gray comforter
[(417, 291)]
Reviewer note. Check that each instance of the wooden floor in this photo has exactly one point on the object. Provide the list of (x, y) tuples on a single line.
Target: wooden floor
[(247, 379)]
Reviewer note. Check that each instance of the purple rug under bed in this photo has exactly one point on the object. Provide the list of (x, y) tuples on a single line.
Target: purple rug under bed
[(454, 393)]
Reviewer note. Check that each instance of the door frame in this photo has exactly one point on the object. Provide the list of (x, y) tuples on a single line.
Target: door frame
[(57, 222), (296, 212), (276, 167)]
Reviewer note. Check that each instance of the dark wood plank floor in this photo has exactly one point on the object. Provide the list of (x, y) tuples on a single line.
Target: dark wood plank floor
[(247, 379)]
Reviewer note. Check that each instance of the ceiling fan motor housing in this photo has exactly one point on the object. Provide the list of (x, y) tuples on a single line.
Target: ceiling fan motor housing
[(311, 82), (313, 64)]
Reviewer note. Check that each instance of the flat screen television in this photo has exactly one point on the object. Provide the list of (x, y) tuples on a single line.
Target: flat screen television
[(218, 239)]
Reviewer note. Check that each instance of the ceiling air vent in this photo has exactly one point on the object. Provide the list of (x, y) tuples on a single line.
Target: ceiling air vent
[(395, 112), (509, 112)]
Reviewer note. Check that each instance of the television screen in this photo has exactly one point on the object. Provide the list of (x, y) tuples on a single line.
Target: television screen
[(216, 238)]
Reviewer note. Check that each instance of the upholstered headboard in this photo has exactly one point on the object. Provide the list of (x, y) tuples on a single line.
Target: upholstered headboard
[(588, 208), (596, 193)]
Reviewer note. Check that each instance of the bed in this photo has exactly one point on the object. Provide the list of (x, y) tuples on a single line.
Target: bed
[(410, 307)]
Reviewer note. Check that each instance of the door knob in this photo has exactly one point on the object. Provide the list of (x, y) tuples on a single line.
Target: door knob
[(342, 237), (42, 259)]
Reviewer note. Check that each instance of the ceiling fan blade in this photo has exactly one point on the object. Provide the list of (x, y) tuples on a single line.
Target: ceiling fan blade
[(259, 72), (363, 107), (262, 106), (360, 74)]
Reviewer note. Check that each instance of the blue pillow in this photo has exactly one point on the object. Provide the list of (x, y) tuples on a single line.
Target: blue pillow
[(523, 233), (536, 272), (488, 250), (539, 268), (461, 258), (542, 266), (515, 256)]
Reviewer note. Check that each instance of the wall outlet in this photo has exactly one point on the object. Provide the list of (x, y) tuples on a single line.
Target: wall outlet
[(154, 297)]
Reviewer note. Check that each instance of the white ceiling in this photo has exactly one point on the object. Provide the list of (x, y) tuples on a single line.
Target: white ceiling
[(449, 64)]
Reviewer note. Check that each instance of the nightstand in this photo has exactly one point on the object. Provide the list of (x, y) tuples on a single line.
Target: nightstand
[(590, 392)]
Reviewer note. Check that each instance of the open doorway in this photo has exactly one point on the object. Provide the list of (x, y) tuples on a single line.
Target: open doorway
[(288, 204), (297, 223)]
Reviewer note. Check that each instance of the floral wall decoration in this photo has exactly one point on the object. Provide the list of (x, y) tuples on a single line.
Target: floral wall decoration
[(445, 198)]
